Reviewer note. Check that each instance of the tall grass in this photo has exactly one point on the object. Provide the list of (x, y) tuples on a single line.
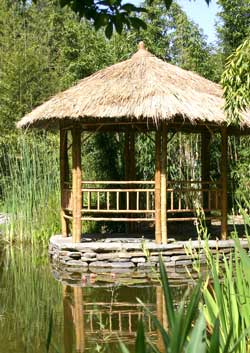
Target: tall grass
[(30, 186)]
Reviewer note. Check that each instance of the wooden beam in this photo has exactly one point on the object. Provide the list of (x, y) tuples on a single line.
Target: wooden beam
[(63, 177), (224, 146), (76, 184), (158, 186), (164, 235)]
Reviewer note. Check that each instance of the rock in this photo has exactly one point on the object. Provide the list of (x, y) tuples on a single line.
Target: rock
[(75, 263), (75, 255), (138, 259), (87, 259), (122, 265), (145, 264), (89, 255), (157, 258), (111, 264), (183, 263)]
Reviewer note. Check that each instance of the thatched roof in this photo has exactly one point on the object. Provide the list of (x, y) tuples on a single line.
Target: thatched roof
[(142, 87)]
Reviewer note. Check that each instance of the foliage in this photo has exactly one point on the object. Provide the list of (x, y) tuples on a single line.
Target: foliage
[(30, 187), (182, 334), (234, 25), (229, 299), (236, 82)]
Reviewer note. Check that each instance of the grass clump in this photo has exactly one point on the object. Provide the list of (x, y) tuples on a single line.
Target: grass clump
[(30, 186)]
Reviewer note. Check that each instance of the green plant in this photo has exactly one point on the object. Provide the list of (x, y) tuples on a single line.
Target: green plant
[(30, 186), (190, 328)]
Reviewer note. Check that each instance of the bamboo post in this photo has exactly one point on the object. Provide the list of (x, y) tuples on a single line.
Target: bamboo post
[(205, 167), (158, 186), (63, 177), (67, 319), (164, 236), (79, 319), (76, 184), (130, 168), (224, 146)]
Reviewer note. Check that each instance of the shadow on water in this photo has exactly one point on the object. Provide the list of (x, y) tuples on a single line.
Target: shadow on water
[(84, 319)]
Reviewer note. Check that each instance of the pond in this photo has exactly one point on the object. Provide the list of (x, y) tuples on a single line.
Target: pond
[(39, 314)]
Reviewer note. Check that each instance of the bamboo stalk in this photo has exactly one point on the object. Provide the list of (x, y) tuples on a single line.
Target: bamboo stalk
[(224, 146), (128, 182), (63, 177), (164, 185), (76, 184), (117, 200), (205, 169), (158, 186)]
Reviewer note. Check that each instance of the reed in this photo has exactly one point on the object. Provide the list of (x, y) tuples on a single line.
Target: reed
[(30, 186)]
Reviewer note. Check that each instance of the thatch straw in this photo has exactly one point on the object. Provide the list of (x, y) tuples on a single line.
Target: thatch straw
[(143, 87)]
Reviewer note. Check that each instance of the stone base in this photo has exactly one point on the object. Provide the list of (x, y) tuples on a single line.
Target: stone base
[(131, 259)]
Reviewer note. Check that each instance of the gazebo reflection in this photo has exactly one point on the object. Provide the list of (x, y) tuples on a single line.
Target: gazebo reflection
[(88, 325)]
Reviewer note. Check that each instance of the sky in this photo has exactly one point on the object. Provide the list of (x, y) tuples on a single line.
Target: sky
[(202, 14)]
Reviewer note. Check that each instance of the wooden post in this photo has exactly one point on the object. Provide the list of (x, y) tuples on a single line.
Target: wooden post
[(205, 166), (63, 177), (224, 145), (158, 186), (76, 184), (164, 185)]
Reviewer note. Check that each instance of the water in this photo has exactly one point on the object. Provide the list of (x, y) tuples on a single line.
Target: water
[(38, 314)]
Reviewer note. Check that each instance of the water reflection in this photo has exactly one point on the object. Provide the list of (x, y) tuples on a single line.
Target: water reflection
[(85, 319), (100, 325)]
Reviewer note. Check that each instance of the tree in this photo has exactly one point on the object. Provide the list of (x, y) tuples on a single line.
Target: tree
[(234, 26), (109, 14), (236, 82)]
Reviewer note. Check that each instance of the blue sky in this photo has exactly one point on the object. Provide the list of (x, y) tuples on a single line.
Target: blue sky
[(203, 15), (200, 13)]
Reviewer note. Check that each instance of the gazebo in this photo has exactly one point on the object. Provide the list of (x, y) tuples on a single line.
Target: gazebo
[(138, 95)]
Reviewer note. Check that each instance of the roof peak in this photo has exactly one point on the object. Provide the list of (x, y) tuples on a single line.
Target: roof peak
[(142, 51), (141, 45)]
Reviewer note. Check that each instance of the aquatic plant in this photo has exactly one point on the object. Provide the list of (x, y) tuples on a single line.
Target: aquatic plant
[(215, 318), (30, 186)]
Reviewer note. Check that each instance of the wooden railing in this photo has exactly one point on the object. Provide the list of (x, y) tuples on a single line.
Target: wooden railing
[(117, 320), (133, 201), (185, 197)]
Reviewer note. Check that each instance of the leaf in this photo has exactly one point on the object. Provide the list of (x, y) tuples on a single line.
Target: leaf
[(137, 23), (168, 3), (118, 23), (167, 295), (140, 344), (123, 348), (100, 21), (109, 30), (215, 338), (197, 341)]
